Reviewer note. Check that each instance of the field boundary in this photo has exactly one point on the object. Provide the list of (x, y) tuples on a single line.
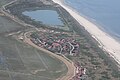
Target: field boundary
[(69, 64), (66, 61)]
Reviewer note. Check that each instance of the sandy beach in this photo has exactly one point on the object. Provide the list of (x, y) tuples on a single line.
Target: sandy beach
[(107, 43)]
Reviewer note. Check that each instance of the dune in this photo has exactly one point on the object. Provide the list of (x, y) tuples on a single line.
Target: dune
[(107, 42)]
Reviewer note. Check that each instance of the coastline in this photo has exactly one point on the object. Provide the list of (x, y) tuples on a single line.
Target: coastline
[(99, 24), (107, 42)]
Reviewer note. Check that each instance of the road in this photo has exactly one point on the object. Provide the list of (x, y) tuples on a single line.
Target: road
[(66, 61), (15, 19), (69, 64)]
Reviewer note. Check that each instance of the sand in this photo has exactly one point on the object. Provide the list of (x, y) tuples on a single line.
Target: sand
[(107, 43)]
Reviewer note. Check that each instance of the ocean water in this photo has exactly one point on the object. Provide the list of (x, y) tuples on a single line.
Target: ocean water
[(49, 17), (105, 13)]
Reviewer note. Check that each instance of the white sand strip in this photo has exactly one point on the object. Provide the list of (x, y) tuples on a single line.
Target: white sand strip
[(108, 43)]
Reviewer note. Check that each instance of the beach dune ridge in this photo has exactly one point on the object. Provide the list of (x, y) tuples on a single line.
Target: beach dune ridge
[(107, 42)]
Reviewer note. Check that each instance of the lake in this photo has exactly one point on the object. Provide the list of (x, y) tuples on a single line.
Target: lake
[(49, 17)]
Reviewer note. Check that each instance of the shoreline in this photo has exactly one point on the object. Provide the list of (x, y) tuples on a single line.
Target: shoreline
[(98, 24), (107, 42)]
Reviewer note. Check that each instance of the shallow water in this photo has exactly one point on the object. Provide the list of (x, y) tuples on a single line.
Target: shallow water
[(105, 13), (49, 17)]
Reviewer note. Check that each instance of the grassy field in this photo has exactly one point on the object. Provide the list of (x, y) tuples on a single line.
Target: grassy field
[(19, 61), (2, 2), (7, 25), (23, 62)]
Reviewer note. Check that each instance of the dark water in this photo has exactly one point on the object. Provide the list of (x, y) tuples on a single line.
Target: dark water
[(49, 17), (105, 13)]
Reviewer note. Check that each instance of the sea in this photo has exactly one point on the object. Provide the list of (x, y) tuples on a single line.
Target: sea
[(104, 13)]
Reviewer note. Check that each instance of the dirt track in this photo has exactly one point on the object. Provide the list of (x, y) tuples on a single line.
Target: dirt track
[(69, 64)]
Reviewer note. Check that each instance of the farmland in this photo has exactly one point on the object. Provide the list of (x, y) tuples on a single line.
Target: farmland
[(19, 61), (6, 25), (23, 62), (2, 2)]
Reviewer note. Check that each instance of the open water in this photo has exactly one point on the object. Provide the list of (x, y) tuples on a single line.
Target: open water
[(105, 13)]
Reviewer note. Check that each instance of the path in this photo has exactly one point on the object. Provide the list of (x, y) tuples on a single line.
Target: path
[(69, 64)]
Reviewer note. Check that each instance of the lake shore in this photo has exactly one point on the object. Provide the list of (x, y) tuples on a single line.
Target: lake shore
[(107, 43)]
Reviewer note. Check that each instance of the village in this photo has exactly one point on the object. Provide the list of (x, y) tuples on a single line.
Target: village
[(62, 43), (29, 53), (80, 72), (57, 42)]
